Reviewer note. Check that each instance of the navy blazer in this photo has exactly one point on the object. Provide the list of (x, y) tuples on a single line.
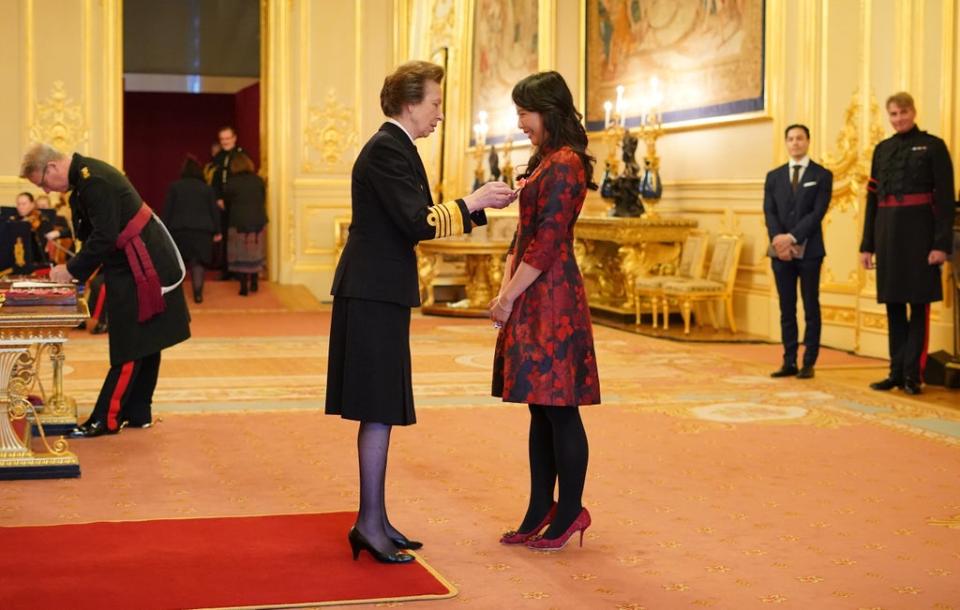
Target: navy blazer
[(800, 213), (392, 211)]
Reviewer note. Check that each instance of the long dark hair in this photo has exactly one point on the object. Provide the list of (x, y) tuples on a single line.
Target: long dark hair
[(547, 93), (191, 168)]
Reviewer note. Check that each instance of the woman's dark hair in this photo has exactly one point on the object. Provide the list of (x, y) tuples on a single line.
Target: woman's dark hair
[(191, 168), (407, 85), (547, 93), (241, 164)]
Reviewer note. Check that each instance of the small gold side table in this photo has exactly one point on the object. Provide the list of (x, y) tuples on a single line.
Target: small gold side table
[(26, 334)]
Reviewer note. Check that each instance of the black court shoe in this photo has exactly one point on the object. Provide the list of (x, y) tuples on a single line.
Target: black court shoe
[(806, 373), (359, 543), (91, 430), (405, 544)]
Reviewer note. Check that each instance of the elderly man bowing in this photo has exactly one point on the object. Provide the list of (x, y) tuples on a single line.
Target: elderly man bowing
[(143, 272)]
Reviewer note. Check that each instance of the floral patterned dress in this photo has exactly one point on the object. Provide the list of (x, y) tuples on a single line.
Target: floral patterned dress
[(545, 352)]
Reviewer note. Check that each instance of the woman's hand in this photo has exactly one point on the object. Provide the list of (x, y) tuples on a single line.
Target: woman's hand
[(866, 259), (217, 237), (500, 310), (491, 195)]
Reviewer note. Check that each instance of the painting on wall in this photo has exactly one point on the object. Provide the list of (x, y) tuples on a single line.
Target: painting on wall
[(702, 59), (504, 51)]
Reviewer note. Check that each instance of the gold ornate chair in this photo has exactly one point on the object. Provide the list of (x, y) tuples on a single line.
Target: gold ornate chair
[(649, 288), (717, 286)]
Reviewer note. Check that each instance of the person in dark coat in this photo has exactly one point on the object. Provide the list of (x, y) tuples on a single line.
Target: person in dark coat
[(246, 198), (191, 214), (907, 235), (376, 284), (545, 355), (226, 149), (796, 197), (143, 273)]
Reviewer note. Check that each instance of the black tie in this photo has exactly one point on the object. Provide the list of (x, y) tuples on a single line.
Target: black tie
[(795, 181)]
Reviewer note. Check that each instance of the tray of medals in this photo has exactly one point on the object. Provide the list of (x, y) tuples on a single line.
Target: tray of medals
[(34, 293)]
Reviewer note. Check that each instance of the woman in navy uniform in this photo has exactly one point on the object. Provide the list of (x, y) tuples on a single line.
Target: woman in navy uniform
[(142, 269), (908, 227), (376, 284)]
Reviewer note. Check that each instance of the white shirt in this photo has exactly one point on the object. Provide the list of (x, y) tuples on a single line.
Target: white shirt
[(803, 163), (400, 125)]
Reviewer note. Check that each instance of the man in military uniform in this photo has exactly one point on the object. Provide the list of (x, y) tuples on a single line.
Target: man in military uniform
[(227, 138), (907, 226), (142, 268)]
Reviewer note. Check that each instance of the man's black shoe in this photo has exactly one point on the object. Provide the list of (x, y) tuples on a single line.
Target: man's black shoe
[(136, 424), (886, 384), (90, 430), (100, 328), (787, 370), (805, 373), (911, 387)]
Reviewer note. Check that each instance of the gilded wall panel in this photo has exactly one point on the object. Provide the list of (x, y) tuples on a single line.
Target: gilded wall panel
[(324, 66), (12, 107), (60, 90), (329, 136)]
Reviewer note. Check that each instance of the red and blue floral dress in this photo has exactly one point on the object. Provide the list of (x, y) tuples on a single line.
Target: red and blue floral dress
[(545, 353)]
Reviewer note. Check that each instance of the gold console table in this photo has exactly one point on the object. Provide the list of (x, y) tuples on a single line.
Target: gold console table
[(27, 334), (484, 271), (613, 252)]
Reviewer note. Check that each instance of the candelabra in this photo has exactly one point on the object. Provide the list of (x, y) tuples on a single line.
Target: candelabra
[(651, 128), (614, 123), (480, 142), (507, 164)]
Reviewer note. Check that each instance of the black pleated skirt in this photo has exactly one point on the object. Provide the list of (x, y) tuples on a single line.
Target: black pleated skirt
[(195, 245), (368, 369)]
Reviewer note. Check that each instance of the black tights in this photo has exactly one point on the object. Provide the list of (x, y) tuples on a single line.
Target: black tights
[(373, 443), (196, 276), (558, 453)]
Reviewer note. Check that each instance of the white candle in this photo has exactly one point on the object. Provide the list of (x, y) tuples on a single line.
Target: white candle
[(619, 106), (607, 107)]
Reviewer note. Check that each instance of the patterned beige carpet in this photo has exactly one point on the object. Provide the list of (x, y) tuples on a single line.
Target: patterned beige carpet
[(711, 485)]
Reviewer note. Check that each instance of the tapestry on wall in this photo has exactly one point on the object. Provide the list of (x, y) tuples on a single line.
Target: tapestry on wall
[(707, 56), (504, 51)]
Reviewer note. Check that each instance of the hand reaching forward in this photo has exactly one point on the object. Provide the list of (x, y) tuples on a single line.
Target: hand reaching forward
[(491, 195)]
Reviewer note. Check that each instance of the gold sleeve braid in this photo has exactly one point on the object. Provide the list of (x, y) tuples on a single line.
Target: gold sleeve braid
[(446, 219)]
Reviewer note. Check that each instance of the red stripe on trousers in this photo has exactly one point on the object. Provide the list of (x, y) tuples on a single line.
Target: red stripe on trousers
[(101, 297), (926, 340), (126, 371)]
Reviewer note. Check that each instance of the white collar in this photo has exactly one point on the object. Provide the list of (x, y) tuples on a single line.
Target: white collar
[(804, 162), (390, 119)]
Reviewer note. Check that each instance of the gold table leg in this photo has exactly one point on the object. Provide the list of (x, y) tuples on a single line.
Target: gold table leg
[(17, 458)]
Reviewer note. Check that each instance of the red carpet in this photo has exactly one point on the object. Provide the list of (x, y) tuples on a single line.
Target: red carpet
[(201, 563)]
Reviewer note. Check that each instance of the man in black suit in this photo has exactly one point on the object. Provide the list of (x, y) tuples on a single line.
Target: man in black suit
[(796, 197)]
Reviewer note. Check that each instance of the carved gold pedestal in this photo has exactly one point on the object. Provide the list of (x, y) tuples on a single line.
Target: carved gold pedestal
[(484, 271), (27, 336), (613, 252)]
